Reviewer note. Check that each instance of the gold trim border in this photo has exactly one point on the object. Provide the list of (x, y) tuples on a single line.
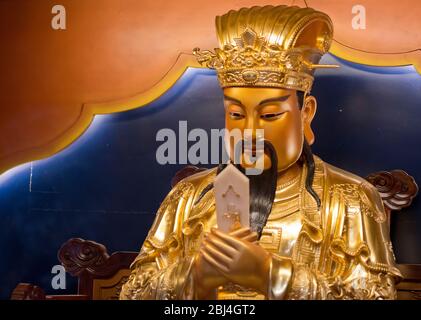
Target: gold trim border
[(376, 59), (183, 61), (89, 110)]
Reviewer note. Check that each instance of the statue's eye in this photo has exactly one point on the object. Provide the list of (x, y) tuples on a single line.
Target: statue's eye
[(271, 116), (236, 115)]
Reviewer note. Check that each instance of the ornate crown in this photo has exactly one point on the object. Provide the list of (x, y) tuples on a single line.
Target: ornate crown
[(282, 52)]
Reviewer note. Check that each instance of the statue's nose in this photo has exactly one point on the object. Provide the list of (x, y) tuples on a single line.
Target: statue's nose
[(251, 127), (252, 137)]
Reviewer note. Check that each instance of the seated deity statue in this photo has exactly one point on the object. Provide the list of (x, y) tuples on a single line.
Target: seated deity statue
[(315, 231)]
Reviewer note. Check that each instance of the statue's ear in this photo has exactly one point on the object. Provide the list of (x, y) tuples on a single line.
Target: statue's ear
[(307, 114)]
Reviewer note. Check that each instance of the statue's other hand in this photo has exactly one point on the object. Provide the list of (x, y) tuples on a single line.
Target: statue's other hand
[(241, 261), (206, 276)]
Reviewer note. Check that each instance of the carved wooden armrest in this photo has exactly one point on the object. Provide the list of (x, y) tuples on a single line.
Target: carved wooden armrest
[(100, 275), (98, 272), (27, 291), (397, 189), (79, 256)]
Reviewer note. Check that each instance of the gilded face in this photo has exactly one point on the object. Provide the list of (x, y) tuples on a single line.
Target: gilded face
[(277, 112)]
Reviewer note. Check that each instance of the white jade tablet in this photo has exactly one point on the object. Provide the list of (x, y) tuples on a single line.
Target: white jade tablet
[(232, 195)]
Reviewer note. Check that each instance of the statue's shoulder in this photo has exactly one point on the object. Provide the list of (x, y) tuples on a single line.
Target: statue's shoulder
[(197, 182), (188, 189), (335, 175), (175, 206), (354, 189), (200, 177)]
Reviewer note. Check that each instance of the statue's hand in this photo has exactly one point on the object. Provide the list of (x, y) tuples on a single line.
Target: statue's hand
[(243, 262), (207, 277)]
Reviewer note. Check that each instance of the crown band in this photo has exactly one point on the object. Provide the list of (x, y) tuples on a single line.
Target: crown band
[(253, 62), (265, 78)]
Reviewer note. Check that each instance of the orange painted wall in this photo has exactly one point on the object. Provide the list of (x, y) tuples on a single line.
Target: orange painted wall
[(115, 50)]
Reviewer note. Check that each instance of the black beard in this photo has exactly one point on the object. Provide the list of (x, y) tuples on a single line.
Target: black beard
[(262, 189), (263, 186)]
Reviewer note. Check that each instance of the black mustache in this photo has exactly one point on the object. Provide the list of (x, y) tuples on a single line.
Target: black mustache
[(240, 147)]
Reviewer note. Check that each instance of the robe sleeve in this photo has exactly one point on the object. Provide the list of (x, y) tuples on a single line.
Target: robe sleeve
[(161, 270)]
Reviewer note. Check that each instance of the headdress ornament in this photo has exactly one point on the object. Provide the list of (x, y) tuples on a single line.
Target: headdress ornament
[(269, 47)]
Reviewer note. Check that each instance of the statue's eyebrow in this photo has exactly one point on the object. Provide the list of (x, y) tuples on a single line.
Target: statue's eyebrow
[(263, 102), (276, 99), (233, 100)]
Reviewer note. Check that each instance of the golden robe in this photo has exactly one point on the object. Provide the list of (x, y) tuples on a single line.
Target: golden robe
[(340, 251)]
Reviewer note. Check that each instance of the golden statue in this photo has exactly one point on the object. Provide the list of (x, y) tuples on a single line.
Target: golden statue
[(316, 231)]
